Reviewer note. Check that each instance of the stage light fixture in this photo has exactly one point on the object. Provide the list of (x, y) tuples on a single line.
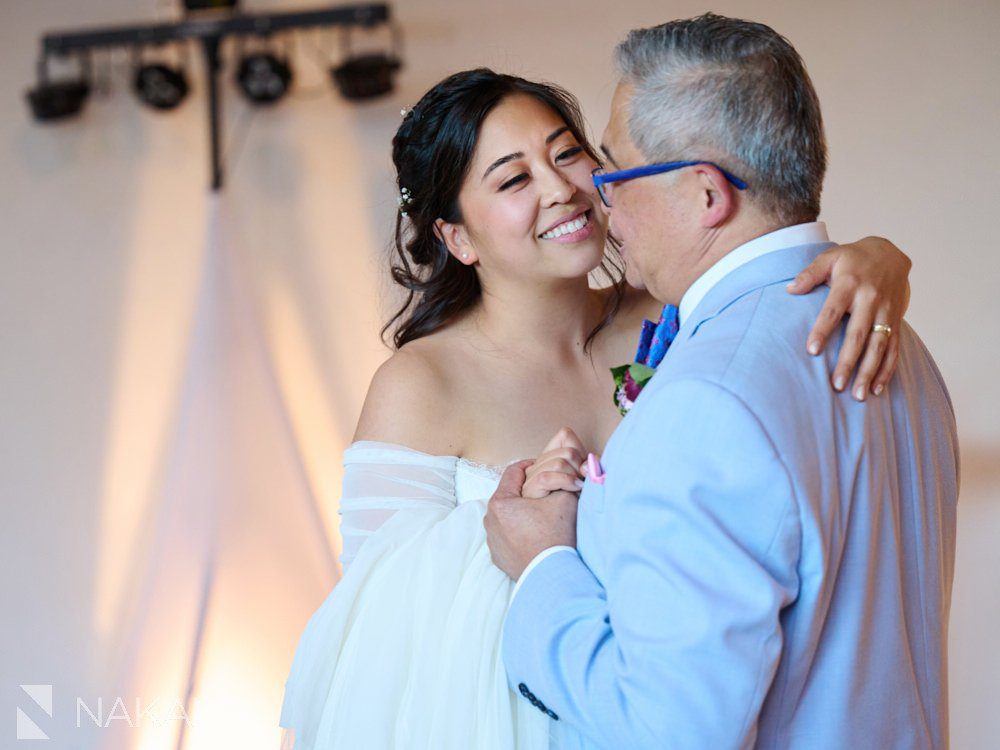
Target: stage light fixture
[(264, 77), (264, 74), (59, 100), (159, 85), (368, 75)]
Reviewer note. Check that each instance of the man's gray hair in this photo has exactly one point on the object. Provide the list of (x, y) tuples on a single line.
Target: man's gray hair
[(734, 92)]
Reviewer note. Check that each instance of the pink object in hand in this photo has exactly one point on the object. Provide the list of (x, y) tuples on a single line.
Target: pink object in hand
[(594, 469)]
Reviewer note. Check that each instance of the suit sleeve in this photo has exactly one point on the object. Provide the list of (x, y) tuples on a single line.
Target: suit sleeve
[(678, 645)]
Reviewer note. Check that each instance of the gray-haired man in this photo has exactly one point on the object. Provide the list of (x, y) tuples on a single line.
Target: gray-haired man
[(762, 562)]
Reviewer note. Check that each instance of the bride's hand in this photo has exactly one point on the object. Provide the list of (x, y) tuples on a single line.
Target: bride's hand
[(869, 280), (558, 466)]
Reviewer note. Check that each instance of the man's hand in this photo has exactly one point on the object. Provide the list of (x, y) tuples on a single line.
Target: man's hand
[(517, 528)]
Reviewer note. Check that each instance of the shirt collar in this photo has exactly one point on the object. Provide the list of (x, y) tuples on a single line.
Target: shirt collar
[(793, 236)]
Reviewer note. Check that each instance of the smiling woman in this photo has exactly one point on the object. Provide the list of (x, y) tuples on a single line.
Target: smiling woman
[(526, 200), (501, 343), (434, 151)]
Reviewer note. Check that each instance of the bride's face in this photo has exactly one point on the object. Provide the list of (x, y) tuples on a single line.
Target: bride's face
[(528, 203)]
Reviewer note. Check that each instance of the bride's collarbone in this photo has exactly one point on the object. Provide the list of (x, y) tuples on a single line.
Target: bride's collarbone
[(492, 410), (501, 429)]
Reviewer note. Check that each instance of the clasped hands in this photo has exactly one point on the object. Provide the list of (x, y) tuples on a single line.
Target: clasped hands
[(534, 506)]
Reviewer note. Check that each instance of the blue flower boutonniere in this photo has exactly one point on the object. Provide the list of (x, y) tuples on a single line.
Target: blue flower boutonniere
[(654, 340)]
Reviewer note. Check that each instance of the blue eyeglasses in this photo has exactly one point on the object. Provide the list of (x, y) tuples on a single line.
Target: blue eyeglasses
[(603, 180)]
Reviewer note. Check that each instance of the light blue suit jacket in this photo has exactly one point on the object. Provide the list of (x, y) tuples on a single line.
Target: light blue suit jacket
[(769, 562)]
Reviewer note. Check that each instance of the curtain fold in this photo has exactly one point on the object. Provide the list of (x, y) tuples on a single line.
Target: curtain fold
[(235, 539)]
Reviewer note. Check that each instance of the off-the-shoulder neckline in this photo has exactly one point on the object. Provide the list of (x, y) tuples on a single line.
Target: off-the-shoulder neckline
[(491, 468)]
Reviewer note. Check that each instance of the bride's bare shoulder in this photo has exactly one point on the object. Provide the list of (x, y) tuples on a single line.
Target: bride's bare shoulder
[(407, 401)]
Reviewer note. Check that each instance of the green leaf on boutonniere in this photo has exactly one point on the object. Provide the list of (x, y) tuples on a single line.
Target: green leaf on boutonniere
[(629, 381)]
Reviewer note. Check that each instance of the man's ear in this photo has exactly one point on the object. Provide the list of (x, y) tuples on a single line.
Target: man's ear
[(456, 239), (717, 200)]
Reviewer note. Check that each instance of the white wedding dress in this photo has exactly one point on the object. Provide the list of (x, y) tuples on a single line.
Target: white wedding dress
[(405, 651)]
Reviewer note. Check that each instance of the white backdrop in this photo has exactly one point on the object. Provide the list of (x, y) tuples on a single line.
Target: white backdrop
[(169, 361)]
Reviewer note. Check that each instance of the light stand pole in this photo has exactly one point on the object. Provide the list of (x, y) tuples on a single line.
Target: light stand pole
[(212, 66)]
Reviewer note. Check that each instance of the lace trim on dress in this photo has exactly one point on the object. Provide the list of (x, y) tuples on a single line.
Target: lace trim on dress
[(490, 470)]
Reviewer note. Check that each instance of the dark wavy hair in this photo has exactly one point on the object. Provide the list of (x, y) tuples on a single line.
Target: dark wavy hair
[(432, 151)]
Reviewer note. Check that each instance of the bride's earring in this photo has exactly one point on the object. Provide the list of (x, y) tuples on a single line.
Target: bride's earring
[(465, 256)]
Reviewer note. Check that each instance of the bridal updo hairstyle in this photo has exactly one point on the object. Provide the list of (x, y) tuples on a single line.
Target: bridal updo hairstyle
[(432, 151)]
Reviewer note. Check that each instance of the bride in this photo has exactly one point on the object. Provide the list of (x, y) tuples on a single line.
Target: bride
[(499, 228)]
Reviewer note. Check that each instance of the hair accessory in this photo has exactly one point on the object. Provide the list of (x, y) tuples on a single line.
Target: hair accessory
[(407, 112), (405, 199)]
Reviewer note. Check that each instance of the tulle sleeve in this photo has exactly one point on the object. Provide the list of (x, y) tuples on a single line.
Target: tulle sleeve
[(380, 480), (405, 651)]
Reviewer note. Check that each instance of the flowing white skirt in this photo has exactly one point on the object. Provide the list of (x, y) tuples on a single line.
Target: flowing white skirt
[(405, 652)]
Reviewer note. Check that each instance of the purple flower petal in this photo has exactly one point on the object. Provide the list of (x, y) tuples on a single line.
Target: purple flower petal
[(632, 389)]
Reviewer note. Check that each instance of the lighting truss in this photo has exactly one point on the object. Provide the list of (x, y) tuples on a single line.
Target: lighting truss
[(210, 31)]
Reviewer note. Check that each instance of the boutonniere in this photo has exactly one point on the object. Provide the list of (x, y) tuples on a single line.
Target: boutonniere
[(654, 340)]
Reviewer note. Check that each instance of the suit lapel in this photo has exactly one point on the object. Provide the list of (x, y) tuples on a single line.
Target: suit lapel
[(779, 266)]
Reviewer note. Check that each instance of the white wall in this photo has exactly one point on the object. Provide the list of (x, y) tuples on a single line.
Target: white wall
[(102, 226)]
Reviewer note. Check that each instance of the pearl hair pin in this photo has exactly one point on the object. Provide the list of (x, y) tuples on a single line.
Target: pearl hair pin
[(405, 199)]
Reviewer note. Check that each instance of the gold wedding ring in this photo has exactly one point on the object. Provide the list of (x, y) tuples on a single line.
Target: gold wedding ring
[(882, 328)]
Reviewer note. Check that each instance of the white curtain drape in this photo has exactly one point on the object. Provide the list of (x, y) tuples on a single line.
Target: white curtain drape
[(234, 539)]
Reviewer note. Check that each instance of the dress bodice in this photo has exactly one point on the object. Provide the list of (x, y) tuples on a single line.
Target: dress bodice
[(474, 481)]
